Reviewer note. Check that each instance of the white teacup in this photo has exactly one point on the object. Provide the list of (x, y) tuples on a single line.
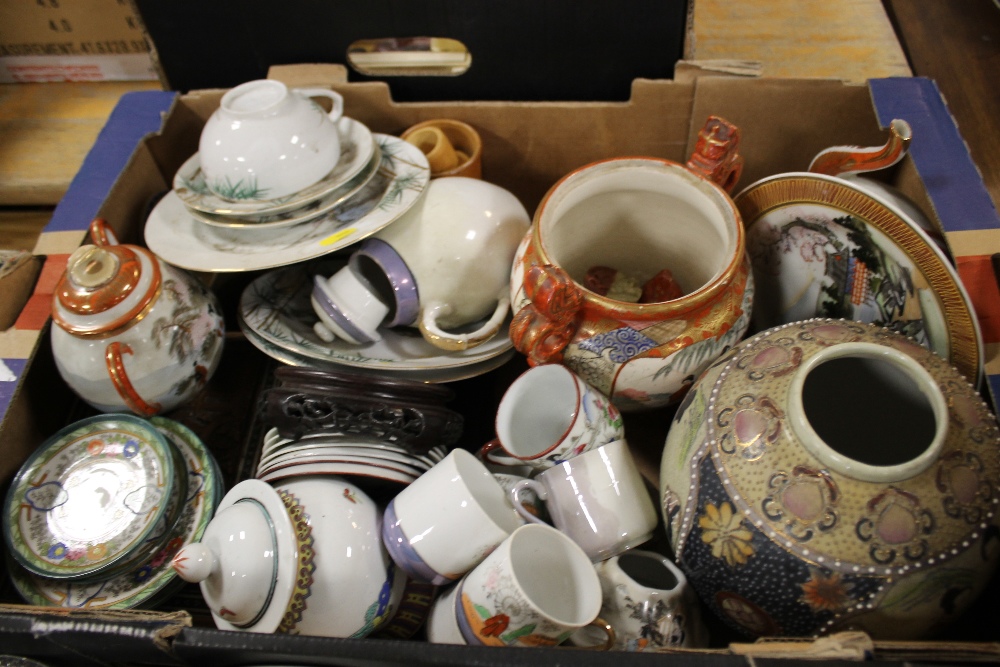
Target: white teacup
[(448, 520), (648, 601), (536, 589), (266, 141), (549, 414), (598, 499), (443, 266)]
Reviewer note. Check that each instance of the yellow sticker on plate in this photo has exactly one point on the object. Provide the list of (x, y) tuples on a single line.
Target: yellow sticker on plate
[(339, 236)]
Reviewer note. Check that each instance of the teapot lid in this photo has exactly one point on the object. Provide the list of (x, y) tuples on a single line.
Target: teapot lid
[(246, 561), (105, 287)]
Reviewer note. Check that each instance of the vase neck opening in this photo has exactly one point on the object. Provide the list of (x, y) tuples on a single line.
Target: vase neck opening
[(869, 412), (648, 570)]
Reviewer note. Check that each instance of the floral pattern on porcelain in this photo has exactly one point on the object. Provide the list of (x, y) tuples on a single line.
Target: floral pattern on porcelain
[(778, 543), (521, 626)]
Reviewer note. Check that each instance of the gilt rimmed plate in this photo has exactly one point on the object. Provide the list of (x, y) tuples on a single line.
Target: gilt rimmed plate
[(339, 197), (147, 581), (822, 248), (276, 308), (344, 469), (356, 146), (89, 496), (179, 239)]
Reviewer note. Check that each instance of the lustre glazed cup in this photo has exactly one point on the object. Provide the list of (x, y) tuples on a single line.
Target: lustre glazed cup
[(132, 332), (637, 217), (443, 267), (548, 415), (536, 589), (599, 499), (266, 141), (830, 475), (446, 521)]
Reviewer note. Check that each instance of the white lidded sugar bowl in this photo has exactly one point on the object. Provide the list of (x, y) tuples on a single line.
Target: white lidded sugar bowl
[(132, 332), (301, 557)]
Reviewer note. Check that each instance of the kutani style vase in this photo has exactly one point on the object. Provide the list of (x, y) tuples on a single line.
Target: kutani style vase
[(132, 332), (670, 228), (830, 475)]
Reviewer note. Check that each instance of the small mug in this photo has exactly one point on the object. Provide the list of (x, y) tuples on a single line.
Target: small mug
[(536, 589), (598, 499), (648, 601), (266, 141), (448, 520), (549, 414)]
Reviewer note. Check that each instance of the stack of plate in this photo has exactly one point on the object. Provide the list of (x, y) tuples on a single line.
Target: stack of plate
[(96, 513), (346, 455), (378, 178)]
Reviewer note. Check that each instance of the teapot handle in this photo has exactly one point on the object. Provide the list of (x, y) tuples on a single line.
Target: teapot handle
[(716, 153), (543, 328), (101, 233), (113, 357), (838, 160), (443, 340)]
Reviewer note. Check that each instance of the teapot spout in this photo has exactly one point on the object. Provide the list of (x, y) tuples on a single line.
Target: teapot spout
[(838, 160)]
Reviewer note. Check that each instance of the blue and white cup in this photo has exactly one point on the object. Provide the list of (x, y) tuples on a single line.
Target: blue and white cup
[(448, 520)]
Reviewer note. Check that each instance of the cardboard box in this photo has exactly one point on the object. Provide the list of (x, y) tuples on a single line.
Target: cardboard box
[(527, 147), (83, 40)]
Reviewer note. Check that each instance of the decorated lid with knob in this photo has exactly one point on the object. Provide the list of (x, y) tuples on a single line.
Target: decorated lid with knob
[(106, 286), (246, 561)]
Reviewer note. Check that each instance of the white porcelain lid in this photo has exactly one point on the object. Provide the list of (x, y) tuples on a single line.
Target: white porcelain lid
[(246, 560)]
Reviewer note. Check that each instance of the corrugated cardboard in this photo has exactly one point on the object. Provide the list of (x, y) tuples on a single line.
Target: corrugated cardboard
[(81, 40)]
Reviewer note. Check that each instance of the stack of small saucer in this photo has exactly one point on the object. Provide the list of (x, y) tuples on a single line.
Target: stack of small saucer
[(95, 514), (379, 431)]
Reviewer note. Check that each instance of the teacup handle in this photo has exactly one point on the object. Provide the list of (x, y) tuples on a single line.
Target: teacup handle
[(515, 498), (451, 342), (609, 635), (543, 328), (338, 101)]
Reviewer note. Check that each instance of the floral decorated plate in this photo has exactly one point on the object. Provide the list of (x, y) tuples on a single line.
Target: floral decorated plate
[(356, 147), (179, 239), (89, 497), (144, 583), (275, 309), (821, 247), (341, 196)]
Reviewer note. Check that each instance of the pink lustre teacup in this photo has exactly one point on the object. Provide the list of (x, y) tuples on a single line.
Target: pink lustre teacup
[(549, 414), (660, 229), (599, 499), (448, 520)]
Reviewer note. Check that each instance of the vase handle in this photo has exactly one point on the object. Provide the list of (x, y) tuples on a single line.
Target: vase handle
[(543, 328), (838, 160), (113, 356), (716, 154)]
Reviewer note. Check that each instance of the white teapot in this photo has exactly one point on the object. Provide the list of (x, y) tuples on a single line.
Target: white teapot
[(132, 332)]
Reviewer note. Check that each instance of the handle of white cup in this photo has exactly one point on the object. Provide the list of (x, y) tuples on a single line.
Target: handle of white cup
[(452, 342), (609, 635), (515, 498), (338, 101)]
